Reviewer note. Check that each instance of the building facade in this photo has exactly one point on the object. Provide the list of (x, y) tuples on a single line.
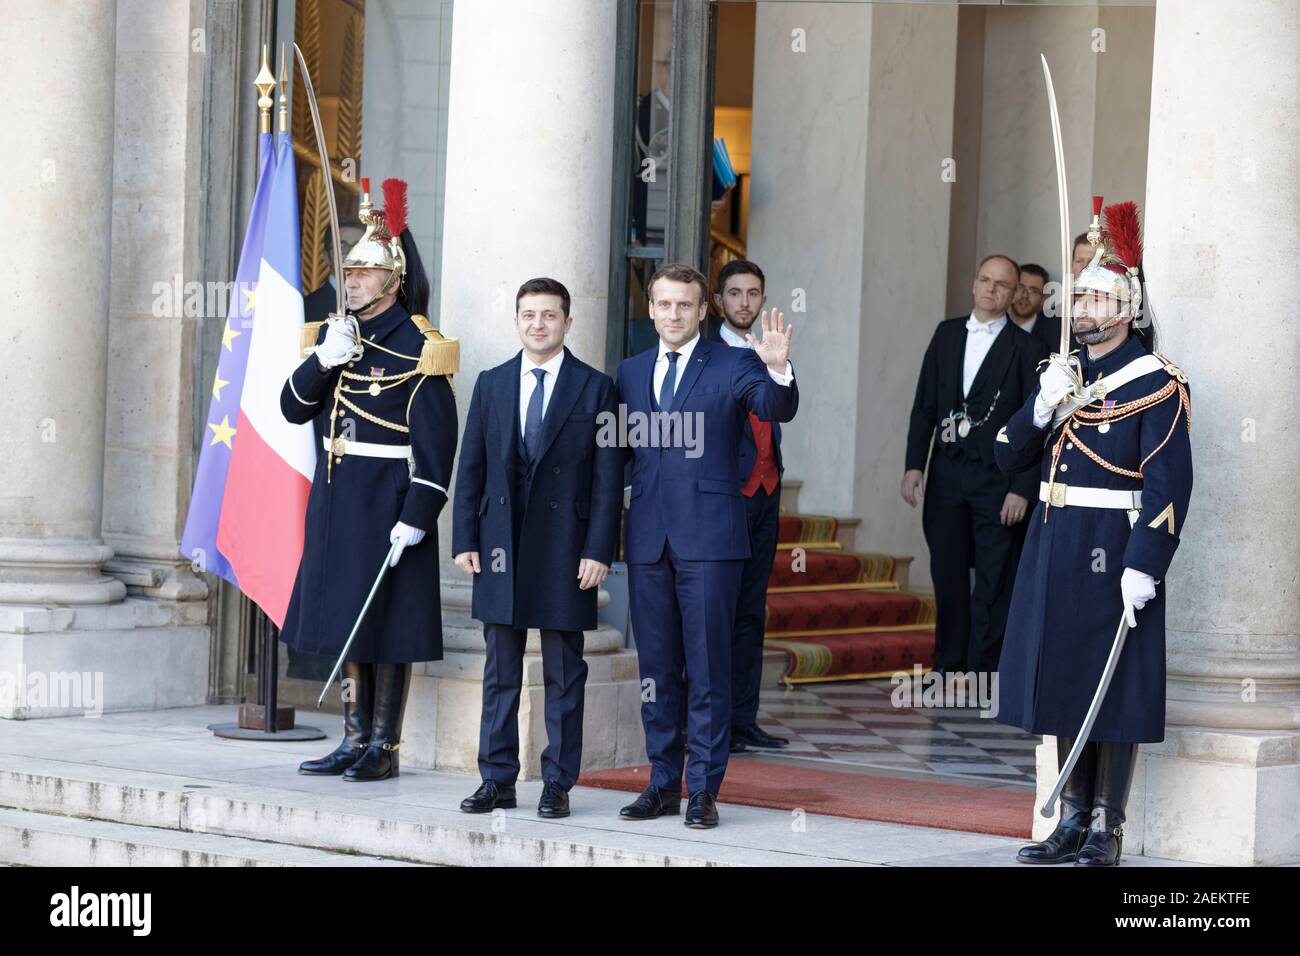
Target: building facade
[(881, 150)]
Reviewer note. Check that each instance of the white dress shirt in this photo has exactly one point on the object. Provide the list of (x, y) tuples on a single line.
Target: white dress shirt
[(528, 382), (661, 365), (980, 337)]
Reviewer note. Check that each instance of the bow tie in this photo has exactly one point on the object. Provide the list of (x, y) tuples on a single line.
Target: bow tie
[(975, 325)]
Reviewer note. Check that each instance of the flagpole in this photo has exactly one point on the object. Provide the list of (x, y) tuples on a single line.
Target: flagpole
[(262, 721)]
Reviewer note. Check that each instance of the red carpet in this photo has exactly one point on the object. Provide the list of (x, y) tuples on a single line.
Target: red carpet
[(840, 615), (755, 783)]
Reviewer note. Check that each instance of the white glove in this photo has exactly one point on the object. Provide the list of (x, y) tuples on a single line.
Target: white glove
[(1137, 587), (342, 342), (1055, 382), (403, 535)]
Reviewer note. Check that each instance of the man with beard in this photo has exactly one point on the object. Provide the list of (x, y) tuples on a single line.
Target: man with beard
[(377, 388), (1112, 427), (739, 298)]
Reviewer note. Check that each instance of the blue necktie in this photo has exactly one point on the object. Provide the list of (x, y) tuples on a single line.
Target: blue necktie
[(670, 383), (533, 420)]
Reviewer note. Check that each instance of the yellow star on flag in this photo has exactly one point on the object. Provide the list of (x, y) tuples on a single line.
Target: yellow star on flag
[(217, 384), (228, 336), (251, 296), (222, 433)]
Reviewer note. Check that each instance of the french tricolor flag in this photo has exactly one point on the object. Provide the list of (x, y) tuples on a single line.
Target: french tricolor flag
[(271, 466)]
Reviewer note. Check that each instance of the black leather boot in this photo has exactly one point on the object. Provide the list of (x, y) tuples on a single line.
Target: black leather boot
[(1062, 845), (379, 762), (356, 722), (1105, 841)]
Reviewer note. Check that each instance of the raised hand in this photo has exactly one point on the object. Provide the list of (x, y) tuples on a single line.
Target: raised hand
[(774, 349)]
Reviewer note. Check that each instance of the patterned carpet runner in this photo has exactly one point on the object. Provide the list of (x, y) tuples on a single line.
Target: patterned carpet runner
[(840, 614)]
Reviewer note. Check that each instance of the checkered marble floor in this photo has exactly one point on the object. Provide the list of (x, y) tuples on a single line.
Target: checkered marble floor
[(856, 724)]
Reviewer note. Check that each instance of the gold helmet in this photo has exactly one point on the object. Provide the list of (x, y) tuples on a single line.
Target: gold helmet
[(1113, 271), (381, 246)]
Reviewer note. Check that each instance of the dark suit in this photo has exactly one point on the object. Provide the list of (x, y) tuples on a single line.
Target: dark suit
[(686, 540), (539, 516), (762, 514), (964, 489), (1047, 330)]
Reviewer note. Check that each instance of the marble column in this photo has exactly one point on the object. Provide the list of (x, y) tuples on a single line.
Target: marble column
[(1222, 232), (1223, 260), (849, 220), (529, 155), (58, 135), (68, 641)]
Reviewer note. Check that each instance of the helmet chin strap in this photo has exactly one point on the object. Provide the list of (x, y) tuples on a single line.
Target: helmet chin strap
[(386, 288), (1101, 333)]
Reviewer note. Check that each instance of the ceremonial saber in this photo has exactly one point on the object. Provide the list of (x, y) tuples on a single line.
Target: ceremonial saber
[(1063, 208), (1090, 718), (327, 175), (357, 626)]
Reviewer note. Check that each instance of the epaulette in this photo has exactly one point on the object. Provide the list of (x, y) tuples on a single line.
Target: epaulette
[(1174, 370), (310, 330), (440, 355)]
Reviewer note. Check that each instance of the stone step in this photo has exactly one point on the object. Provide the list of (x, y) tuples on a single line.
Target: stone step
[(28, 838), (414, 818)]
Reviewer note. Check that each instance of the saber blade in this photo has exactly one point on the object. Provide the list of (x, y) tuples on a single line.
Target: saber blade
[(1063, 210), (1080, 741), (357, 626), (327, 176)]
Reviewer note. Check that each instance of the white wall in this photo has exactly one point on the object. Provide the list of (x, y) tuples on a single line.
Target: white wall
[(848, 205)]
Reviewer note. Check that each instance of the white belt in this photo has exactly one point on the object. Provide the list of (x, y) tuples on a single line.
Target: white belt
[(1062, 496), (343, 446)]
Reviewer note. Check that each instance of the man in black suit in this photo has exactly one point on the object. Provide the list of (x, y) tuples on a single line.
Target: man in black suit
[(977, 371), (1027, 307), (739, 298), (536, 511)]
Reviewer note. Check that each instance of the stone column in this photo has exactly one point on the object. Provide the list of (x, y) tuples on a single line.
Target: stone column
[(68, 642), (1222, 234), (529, 155), (849, 220)]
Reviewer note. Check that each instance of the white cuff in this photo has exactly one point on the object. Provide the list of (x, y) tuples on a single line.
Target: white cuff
[(430, 484), (785, 378), (297, 396)]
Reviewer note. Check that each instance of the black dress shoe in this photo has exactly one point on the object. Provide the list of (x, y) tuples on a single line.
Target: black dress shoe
[(652, 803), (754, 736), (1104, 842), (554, 802), (489, 796), (701, 812), (737, 746), (1062, 846)]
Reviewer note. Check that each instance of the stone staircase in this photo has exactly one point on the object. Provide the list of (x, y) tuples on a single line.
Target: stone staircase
[(835, 613)]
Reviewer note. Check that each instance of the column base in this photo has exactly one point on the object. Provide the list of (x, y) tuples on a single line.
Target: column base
[(1222, 797), (135, 654), (441, 728)]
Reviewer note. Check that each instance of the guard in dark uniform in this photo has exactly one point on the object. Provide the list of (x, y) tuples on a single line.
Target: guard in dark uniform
[(1113, 429), (378, 389)]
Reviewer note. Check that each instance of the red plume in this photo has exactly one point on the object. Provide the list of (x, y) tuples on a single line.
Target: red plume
[(395, 205), (1125, 233)]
